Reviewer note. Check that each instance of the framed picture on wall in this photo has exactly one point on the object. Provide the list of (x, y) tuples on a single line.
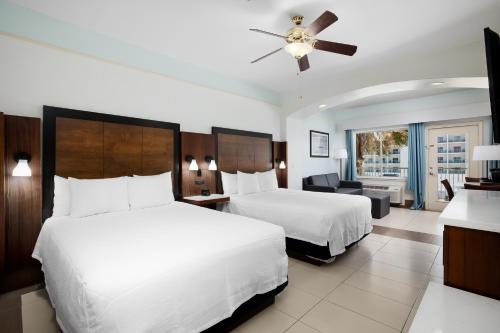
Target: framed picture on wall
[(319, 143)]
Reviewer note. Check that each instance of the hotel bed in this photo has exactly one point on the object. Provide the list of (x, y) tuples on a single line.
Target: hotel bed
[(317, 225), (120, 255), (174, 268), (329, 220)]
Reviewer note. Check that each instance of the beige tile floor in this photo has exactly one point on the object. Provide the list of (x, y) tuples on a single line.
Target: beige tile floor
[(375, 286), (415, 220)]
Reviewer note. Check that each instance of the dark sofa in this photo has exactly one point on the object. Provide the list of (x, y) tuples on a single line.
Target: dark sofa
[(331, 183)]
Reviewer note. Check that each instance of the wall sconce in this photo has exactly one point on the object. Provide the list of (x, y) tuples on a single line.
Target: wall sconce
[(193, 166), (212, 166), (281, 164), (22, 168)]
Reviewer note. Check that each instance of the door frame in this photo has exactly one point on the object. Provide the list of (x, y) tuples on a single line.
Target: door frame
[(478, 123)]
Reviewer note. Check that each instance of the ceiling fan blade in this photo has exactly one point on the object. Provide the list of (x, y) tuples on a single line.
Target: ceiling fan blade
[(267, 55), (268, 33), (303, 63), (340, 48), (324, 21)]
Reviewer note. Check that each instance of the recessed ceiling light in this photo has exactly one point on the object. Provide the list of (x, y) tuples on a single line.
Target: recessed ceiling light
[(437, 83), (322, 106)]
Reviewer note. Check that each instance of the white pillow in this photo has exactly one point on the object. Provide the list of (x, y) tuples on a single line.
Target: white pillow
[(150, 191), (268, 181), (62, 197), (96, 196), (248, 183), (229, 183)]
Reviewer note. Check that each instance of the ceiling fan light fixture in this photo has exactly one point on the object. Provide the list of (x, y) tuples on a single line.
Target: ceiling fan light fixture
[(299, 49)]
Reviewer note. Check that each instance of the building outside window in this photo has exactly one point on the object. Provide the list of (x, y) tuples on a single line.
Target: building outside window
[(382, 153)]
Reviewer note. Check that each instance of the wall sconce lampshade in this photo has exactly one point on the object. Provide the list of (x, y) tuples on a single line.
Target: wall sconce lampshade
[(22, 169), (193, 166), (282, 165), (212, 166)]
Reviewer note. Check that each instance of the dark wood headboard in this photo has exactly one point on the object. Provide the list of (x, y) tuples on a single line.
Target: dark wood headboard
[(242, 150), (88, 145)]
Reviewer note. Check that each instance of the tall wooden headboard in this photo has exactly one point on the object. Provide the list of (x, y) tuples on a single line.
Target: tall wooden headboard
[(89, 145), (242, 150)]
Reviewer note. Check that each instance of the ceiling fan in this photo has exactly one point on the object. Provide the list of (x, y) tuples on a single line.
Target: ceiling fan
[(300, 40)]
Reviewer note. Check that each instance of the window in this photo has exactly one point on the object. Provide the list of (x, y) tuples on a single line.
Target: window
[(382, 153)]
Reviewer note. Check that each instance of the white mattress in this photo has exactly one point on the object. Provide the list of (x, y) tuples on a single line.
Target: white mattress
[(315, 217), (176, 268)]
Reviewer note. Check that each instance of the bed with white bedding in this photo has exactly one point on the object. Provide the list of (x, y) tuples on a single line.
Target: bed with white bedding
[(173, 268), (323, 219)]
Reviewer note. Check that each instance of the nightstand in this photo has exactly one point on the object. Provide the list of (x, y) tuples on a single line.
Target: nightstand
[(206, 201)]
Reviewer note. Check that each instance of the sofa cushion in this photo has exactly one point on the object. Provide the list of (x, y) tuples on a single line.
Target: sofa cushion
[(333, 179), (349, 190), (318, 180)]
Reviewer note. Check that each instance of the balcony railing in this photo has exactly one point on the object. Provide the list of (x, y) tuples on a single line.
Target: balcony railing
[(451, 139), (450, 151), (385, 172), (451, 161)]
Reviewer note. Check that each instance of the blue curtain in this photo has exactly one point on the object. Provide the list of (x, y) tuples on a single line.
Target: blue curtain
[(416, 164), (351, 156)]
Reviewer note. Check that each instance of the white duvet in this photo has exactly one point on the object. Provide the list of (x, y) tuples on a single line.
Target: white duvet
[(315, 217), (175, 268)]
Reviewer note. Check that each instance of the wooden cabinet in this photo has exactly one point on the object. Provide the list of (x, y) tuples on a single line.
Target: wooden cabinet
[(471, 260)]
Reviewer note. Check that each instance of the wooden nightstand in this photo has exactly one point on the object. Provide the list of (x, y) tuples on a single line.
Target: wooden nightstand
[(206, 201)]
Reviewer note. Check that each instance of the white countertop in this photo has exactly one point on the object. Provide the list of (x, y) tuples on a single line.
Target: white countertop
[(448, 310), (473, 209), (206, 197)]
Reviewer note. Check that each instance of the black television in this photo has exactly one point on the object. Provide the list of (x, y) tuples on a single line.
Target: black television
[(492, 41)]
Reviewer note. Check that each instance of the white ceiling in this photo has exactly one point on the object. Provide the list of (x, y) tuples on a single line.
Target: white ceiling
[(214, 34)]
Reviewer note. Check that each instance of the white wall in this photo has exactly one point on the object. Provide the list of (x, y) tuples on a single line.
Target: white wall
[(300, 164), (33, 75)]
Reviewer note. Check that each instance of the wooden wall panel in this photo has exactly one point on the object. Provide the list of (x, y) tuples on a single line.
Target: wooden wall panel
[(471, 260), (77, 141), (23, 205), (262, 154), (244, 153), (94, 149), (86, 144), (2, 201), (228, 153), (280, 154), (158, 150), (122, 145), (199, 145)]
